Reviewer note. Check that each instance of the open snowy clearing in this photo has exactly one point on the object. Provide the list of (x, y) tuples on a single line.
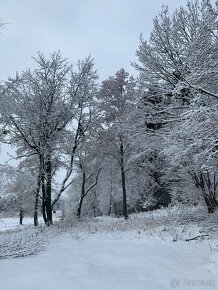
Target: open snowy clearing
[(111, 261), (88, 258)]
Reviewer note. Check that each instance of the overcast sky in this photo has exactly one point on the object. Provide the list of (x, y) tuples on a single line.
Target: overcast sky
[(108, 30)]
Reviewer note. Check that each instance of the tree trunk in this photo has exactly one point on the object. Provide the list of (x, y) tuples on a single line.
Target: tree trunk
[(36, 206), (36, 223), (115, 209), (123, 179), (80, 207), (44, 215), (94, 204), (48, 206), (82, 194), (84, 191), (43, 186), (125, 213), (111, 191), (211, 203), (110, 205), (21, 216), (208, 185), (49, 211)]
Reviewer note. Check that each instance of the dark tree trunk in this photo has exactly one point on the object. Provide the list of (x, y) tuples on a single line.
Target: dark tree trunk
[(36, 223), (211, 203), (49, 211), (44, 215), (125, 212), (94, 204), (36, 206), (48, 191), (207, 182), (80, 207), (123, 179), (111, 192), (43, 186), (44, 212), (21, 216), (82, 195), (85, 191), (110, 205), (46, 181), (208, 185)]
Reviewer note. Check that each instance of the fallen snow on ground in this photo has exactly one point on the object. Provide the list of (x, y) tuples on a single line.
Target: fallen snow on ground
[(13, 223), (146, 252), (113, 260)]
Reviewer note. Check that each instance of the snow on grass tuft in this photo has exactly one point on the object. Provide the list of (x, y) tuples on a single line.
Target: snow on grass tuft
[(22, 241)]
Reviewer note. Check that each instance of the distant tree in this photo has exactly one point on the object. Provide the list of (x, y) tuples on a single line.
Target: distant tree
[(149, 166), (89, 181), (116, 97), (18, 186)]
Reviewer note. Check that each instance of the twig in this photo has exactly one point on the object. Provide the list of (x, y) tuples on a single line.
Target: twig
[(195, 238)]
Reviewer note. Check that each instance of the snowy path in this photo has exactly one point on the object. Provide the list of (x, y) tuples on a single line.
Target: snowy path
[(111, 261)]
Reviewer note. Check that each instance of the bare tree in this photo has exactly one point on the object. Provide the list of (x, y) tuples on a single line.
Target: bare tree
[(45, 112), (116, 97), (89, 181)]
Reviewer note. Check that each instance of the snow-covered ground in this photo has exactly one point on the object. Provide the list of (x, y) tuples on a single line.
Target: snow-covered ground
[(13, 223), (90, 257)]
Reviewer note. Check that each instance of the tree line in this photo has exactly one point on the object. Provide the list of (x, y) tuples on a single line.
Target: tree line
[(126, 144)]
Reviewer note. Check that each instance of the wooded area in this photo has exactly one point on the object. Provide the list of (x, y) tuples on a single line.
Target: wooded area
[(125, 144)]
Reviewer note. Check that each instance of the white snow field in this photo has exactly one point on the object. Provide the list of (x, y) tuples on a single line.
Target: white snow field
[(13, 223), (95, 259)]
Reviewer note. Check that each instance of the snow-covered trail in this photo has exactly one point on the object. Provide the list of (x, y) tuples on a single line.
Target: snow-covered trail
[(114, 261)]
